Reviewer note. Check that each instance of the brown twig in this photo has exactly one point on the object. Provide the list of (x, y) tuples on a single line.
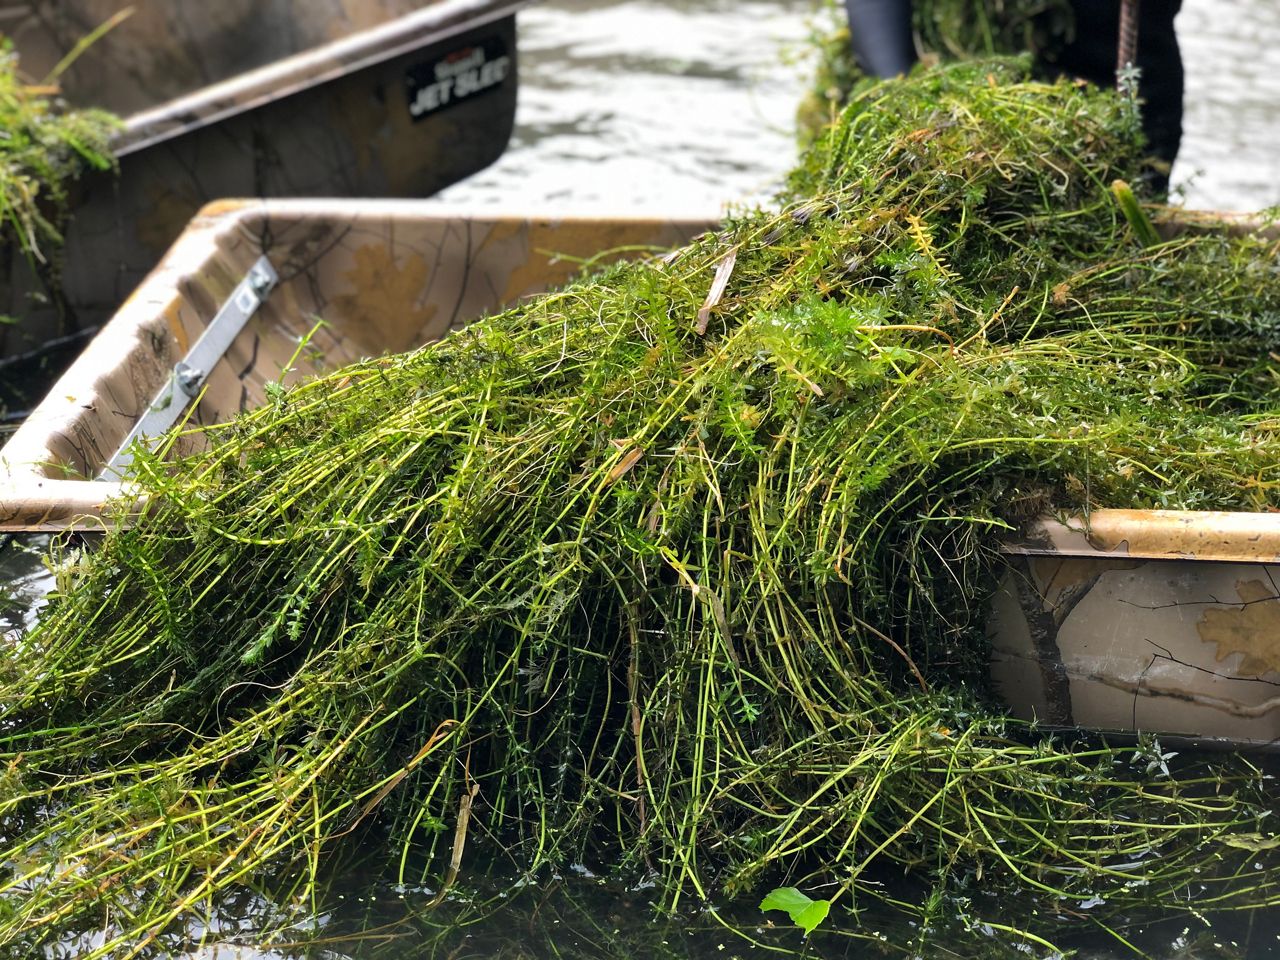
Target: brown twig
[(637, 726), (459, 839)]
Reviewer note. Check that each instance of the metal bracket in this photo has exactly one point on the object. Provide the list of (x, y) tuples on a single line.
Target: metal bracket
[(189, 373)]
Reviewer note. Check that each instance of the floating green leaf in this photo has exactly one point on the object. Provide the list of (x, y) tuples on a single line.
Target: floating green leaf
[(788, 899), (805, 912)]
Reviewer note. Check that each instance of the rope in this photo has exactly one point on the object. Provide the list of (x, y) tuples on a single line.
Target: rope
[(1127, 53)]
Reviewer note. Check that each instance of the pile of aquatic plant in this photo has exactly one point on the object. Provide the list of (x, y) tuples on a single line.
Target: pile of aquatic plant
[(679, 572), (983, 28), (948, 29), (45, 147)]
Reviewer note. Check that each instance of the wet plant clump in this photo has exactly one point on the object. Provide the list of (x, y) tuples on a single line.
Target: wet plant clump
[(681, 571), (45, 147), (942, 29)]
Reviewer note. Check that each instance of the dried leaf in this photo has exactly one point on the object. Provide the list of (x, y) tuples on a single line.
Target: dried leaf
[(626, 463), (714, 295)]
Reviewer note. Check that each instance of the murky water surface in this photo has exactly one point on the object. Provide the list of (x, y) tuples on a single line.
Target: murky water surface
[(684, 106)]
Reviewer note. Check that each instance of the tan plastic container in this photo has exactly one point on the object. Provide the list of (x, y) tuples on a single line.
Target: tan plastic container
[(1131, 620), (1147, 620), (266, 98)]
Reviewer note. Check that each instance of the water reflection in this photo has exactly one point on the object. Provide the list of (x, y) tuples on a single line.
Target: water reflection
[(24, 582), (572, 918)]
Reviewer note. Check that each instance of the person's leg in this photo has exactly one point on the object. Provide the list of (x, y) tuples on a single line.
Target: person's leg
[(1161, 87), (881, 35)]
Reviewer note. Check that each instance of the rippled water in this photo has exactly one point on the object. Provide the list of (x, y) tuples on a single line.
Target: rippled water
[(1230, 157), (686, 105), (668, 105)]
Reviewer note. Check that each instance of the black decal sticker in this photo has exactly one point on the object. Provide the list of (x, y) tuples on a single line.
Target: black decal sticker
[(455, 78)]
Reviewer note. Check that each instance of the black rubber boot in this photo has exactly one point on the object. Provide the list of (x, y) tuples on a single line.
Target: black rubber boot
[(881, 34)]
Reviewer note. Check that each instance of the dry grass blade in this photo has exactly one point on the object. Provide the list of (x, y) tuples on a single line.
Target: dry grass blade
[(718, 284)]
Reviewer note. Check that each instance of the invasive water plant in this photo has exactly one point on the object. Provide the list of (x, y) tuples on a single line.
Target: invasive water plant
[(681, 570), (45, 146), (947, 29)]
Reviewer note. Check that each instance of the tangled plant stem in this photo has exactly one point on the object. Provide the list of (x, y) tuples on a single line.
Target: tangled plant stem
[(946, 29)]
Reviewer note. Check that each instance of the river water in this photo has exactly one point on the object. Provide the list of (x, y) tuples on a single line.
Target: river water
[(1230, 157), (686, 105), (661, 105)]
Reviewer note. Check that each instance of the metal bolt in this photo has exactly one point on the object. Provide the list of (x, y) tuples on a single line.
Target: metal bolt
[(189, 378), (260, 281)]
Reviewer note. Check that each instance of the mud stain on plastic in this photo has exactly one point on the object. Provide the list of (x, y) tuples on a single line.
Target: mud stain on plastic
[(386, 297), (1251, 629), (1049, 588)]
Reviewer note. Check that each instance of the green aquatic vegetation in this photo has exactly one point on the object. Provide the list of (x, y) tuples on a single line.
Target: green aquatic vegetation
[(681, 570), (983, 28), (946, 29), (45, 146)]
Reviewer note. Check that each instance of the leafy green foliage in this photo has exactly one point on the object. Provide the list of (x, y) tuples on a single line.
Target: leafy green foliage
[(44, 147), (707, 606), (946, 29)]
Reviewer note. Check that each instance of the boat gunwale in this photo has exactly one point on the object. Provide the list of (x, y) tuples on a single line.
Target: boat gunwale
[(322, 64), (35, 497)]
